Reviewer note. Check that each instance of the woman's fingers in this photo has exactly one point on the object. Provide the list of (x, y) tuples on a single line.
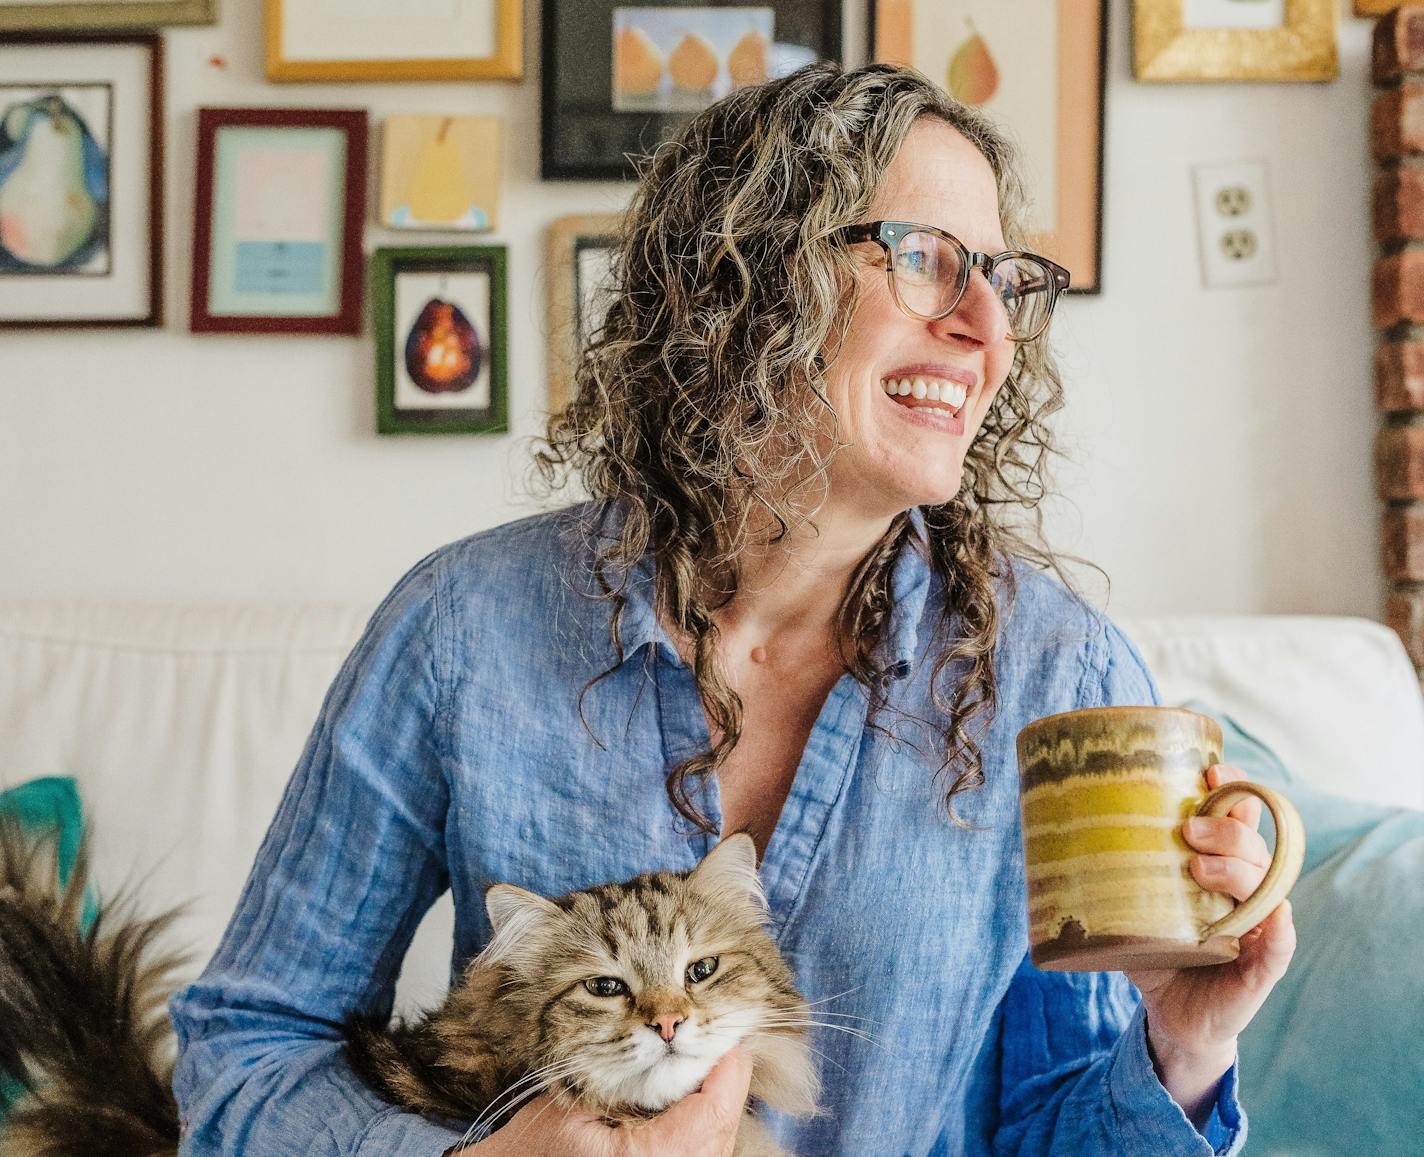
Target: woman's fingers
[(1248, 810), (1226, 836)]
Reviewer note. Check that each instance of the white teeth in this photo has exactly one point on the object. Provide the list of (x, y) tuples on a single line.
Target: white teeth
[(952, 394)]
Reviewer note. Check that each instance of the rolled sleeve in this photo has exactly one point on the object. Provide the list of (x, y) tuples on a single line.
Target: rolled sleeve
[(352, 861), (1077, 1077)]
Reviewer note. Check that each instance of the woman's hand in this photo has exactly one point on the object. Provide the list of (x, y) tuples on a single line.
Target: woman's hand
[(702, 1124), (1195, 1014)]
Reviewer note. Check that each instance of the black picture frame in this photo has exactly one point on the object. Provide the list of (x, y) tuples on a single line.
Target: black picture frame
[(582, 135)]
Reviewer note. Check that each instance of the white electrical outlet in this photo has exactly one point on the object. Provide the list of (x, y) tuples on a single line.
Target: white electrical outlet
[(1234, 224)]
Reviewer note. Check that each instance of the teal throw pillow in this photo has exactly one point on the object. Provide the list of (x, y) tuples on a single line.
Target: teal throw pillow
[(45, 805), (1332, 1064)]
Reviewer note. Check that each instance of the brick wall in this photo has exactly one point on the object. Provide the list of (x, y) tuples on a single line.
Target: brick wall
[(1397, 294)]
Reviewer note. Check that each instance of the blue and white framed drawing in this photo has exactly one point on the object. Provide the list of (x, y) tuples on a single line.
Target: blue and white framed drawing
[(81, 180)]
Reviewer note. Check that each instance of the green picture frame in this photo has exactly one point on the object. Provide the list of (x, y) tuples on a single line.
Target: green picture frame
[(89, 17), (440, 317)]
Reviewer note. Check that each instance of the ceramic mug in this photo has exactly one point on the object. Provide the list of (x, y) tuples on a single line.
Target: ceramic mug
[(1104, 792)]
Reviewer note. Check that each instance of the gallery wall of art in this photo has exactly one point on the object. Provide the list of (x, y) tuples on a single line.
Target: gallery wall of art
[(318, 346)]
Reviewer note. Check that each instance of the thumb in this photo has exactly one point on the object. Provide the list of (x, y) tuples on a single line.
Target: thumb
[(722, 1096)]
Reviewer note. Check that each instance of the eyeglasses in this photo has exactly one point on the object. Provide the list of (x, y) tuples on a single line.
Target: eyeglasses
[(928, 270)]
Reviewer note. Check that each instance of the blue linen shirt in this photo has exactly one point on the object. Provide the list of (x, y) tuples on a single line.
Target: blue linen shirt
[(450, 753)]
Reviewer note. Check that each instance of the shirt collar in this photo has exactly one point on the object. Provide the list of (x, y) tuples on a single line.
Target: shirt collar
[(909, 588)]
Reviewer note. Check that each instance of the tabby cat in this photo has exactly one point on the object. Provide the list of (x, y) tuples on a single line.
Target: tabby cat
[(617, 998)]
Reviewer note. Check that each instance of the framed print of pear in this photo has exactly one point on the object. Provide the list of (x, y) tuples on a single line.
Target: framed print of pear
[(1035, 66), (81, 179), (439, 317), (54, 180), (441, 172), (682, 59)]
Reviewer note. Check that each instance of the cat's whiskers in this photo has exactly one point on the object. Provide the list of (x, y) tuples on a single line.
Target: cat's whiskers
[(530, 1085)]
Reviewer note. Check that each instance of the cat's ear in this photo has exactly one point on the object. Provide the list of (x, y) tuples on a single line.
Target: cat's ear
[(514, 915), (730, 870)]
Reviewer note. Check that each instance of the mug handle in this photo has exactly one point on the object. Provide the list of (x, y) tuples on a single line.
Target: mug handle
[(1286, 861)]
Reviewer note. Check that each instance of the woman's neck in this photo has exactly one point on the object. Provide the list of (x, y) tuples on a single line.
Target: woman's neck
[(793, 589)]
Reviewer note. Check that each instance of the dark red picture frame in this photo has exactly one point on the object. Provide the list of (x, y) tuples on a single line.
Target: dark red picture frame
[(351, 121)]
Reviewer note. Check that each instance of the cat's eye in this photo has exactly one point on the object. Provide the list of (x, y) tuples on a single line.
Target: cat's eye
[(702, 969), (606, 986)]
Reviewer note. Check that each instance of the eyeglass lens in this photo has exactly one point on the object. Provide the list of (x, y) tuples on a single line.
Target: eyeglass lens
[(927, 271)]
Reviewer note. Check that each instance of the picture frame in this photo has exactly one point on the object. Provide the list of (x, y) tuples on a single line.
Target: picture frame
[(395, 40), (578, 253), (620, 77), (1044, 80), (441, 172), (116, 14), (440, 317), (1375, 7), (98, 260), (1218, 40), (280, 205)]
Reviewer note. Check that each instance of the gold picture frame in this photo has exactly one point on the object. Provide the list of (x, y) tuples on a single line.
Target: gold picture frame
[(1301, 48), (1375, 7), (91, 17), (303, 45), (570, 296)]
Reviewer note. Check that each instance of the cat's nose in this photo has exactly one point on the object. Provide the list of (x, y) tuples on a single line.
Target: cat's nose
[(666, 1024)]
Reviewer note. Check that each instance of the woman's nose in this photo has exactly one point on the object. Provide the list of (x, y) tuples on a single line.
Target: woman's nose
[(979, 319)]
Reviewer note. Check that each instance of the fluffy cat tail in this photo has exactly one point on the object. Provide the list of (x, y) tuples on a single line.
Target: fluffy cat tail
[(83, 1033)]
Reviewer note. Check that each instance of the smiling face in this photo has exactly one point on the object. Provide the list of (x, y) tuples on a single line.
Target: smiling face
[(902, 450)]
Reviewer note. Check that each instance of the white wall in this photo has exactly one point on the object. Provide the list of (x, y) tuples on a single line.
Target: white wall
[(1223, 440)]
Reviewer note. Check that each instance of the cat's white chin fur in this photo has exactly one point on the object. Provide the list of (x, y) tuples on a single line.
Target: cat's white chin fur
[(657, 1086)]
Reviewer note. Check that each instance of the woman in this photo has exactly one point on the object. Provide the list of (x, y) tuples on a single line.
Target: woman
[(793, 609)]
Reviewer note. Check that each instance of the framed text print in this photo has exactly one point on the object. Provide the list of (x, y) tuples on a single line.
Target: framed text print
[(281, 197), (81, 180)]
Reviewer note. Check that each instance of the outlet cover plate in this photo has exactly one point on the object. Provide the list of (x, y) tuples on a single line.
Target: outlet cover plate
[(1234, 233)]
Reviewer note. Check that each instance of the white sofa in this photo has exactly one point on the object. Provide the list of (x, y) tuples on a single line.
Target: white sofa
[(181, 724)]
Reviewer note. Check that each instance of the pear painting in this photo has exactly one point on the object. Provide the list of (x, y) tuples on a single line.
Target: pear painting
[(442, 349), (637, 63), (440, 172), (747, 62), (54, 190), (676, 60), (973, 75)]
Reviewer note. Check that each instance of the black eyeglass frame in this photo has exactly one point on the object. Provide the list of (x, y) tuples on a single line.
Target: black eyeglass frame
[(887, 235)]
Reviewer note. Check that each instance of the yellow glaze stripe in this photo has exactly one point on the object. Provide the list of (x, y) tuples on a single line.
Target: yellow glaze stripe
[(1048, 847), (1051, 803)]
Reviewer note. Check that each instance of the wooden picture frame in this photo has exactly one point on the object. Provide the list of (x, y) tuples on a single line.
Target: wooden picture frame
[(1300, 48), (99, 264), (576, 249), (484, 41), (121, 14), (1046, 87), (280, 207), (440, 315), (596, 119)]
